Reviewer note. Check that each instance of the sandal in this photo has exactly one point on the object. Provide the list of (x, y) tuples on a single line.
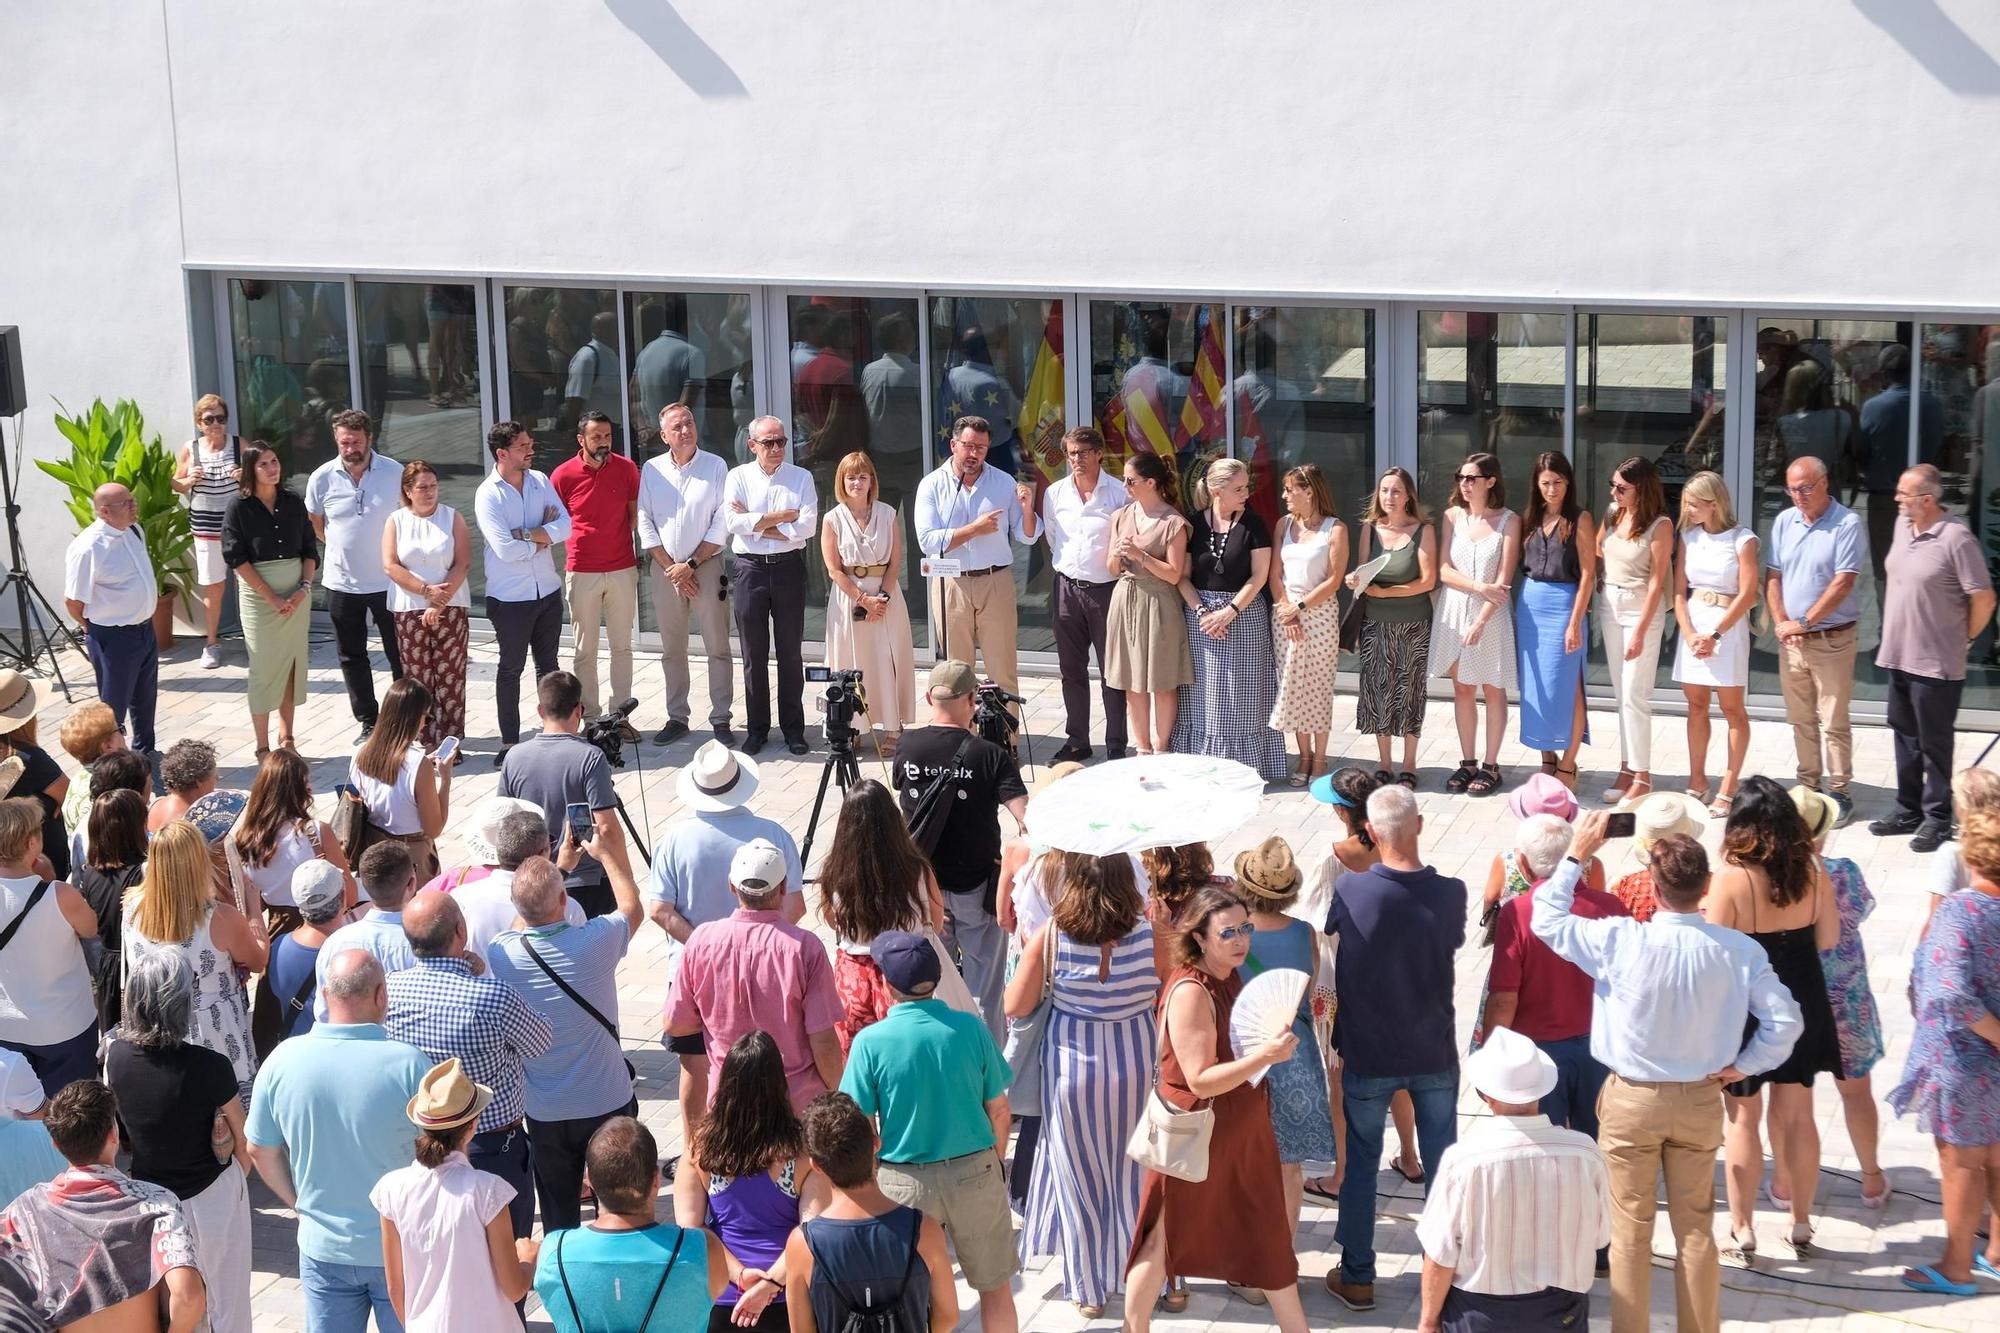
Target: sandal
[(1641, 788), (1383, 777), (1089, 1309), (1566, 776), (1462, 776), (1549, 762), (1875, 1201), (1802, 1245), (1414, 1177), (1407, 779), (1744, 1247), (1173, 1302), (1720, 806), (1486, 782), (1928, 1280), (1616, 791)]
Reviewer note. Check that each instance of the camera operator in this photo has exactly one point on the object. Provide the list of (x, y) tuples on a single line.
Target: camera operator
[(952, 784), (557, 767)]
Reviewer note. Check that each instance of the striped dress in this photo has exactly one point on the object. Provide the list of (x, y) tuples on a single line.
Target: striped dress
[(1097, 1069)]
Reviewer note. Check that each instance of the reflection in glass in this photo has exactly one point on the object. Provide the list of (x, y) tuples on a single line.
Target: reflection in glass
[(420, 378), (290, 344), (1305, 393), (1960, 374), (1157, 382), (877, 410), (1001, 358), (1487, 382), (691, 348), (562, 361)]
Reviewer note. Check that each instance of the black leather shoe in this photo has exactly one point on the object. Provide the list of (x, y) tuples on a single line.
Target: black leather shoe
[(367, 730), (1115, 752), (1896, 825), (753, 743), (798, 746), (725, 734), (1071, 754), (500, 755), (1931, 837), (670, 733)]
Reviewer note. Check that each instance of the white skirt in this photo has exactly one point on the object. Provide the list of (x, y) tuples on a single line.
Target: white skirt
[(1728, 667)]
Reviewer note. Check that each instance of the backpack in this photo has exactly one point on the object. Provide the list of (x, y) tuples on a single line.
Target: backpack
[(883, 1316)]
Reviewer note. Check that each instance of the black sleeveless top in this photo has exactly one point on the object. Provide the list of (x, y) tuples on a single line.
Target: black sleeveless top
[(1550, 559)]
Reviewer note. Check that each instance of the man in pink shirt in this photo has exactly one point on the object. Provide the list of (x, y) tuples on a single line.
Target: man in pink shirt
[(600, 488), (753, 969)]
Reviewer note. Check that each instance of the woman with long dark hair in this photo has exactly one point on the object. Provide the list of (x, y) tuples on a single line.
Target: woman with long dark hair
[(407, 793), (874, 879), (747, 1179), (1395, 620), (1637, 544), (1146, 651), (1559, 560), (114, 860), (275, 835), (1472, 640), (427, 554), (1774, 888), (267, 538)]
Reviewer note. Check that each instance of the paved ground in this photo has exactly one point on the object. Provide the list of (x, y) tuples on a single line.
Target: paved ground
[(1850, 1285)]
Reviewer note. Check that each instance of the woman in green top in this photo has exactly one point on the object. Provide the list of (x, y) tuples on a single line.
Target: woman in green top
[(1395, 620)]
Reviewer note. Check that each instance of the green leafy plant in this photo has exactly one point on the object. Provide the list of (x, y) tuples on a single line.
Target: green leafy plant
[(110, 444)]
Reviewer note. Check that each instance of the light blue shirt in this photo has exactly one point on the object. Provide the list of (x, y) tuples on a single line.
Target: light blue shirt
[(336, 1099), (516, 569), (591, 1279), (379, 933), (1671, 995), (1808, 555), (583, 1074), (27, 1158), (691, 864), (943, 506), (355, 514)]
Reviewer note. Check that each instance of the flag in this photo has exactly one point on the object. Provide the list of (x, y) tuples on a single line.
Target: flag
[(1041, 422), (1203, 416)]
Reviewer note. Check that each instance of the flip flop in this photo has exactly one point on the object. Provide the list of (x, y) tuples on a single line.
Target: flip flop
[(1332, 1197), (1396, 1165), (1936, 1283), (1981, 1264)]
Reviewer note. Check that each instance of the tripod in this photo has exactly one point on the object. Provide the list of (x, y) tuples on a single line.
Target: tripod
[(30, 606), (842, 767)]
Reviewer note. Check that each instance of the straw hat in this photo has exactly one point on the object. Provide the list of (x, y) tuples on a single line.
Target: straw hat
[(447, 1099), (20, 700), (1268, 870), (486, 820), (1662, 815), (717, 779), (1816, 809)]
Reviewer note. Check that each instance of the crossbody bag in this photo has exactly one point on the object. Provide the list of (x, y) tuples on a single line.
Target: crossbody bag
[(580, 1002)]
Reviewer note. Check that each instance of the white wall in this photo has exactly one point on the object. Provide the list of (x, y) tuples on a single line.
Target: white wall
[(1790, 151)]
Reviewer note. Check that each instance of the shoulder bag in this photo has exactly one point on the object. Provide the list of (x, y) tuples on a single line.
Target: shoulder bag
[(1025, 1037), (14, 926), (581, 1003), (927, 816), (1168, 1140), (351, 828)]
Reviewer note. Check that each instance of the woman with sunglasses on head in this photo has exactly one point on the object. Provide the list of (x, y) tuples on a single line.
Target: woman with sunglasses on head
[(1559, 559), (1472, 640), (1395, 619), (1637, 543), (267, 538), (207, 471)]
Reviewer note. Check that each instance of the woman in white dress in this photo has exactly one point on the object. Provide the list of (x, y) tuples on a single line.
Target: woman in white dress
[(867, 618), (1305, 599), (1715, 589), (1472, 639)]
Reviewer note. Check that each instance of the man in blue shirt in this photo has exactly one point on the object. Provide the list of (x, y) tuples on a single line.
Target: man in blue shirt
[(327, 1120), (1400, 925), (521, 519), (387, 876), (1672, 1001), (1816, 556)]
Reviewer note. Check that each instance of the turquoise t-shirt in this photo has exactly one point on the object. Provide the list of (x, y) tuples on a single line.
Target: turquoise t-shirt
[(27, 1158), (926, 1071), (613, 1275), (336, 1099)]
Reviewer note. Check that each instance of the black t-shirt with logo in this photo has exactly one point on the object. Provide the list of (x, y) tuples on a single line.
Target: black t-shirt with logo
[(968, 849)]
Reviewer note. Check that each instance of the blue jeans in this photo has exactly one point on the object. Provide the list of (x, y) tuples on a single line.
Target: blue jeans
[(338, 1297), (1367, 1105), (1572, 1104)]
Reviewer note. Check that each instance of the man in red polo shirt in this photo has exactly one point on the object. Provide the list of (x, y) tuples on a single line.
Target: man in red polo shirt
[(601, 489)]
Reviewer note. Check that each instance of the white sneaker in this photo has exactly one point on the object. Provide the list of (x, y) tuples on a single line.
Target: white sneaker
[(211, 656)]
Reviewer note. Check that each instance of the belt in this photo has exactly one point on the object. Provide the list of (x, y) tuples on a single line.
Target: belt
[(1084, 583), (509, 1128), (982, 573), (781, 558), (1830, 629), (866, 571)]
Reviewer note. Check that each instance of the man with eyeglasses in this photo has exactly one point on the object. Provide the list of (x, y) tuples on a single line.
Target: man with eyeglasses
[(1076, 517), (110, 589), (1939, 598), (970, 513), (1817, 552), (682, 534), (522, 519), (771, 510), (350, 498)]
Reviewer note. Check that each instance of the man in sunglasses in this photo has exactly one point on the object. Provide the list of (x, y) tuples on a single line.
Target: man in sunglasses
[(110, 589)]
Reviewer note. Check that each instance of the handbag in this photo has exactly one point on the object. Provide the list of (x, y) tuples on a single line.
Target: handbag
[(350, 826), (1025, 1036), (1168, 1140)]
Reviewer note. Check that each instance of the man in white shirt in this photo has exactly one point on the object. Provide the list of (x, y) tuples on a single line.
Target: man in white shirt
[(109, 588), (1519, 1208), (522, 519), (971, 514), (1076, 516), (771, 510), (681, 531), (350, 499)]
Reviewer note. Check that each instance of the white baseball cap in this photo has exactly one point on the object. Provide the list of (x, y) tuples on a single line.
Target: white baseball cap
[(758, 867)]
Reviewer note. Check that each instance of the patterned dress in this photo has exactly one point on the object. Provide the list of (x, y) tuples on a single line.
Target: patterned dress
[(219, 1018), (1951, 1081), (1846, 968), (434, 655), (1641, 900), (1097, 1066), (1306, 667), (1301, 1109)]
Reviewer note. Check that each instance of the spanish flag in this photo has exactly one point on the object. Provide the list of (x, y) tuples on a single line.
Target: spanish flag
[(1041, 422)]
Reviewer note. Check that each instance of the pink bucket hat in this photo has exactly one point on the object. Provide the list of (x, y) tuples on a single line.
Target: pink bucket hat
[(1543, 794)]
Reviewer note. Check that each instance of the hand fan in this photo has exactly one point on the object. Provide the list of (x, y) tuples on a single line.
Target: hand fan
[(1265, 1008)]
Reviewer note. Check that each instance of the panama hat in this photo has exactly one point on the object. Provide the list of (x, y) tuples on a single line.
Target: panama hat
[(447, 1099), (717, 778), (1511, 1069), (486, 821), (1662, 815), (1269, 869)]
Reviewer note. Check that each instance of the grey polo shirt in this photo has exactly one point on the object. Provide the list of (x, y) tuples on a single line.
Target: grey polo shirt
[(1932, 576)]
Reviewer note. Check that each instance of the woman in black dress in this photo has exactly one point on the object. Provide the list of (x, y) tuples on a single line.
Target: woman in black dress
[(1772, 887)]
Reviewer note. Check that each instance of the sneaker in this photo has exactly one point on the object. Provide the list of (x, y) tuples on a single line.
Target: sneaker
[(670, 733), (367, 730), (1356, 1296), (1896, 825), (211, 656), (1843, 808), (1930, 837)]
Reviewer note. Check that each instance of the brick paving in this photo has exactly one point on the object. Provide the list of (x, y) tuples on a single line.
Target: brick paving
[(1849, 1284)]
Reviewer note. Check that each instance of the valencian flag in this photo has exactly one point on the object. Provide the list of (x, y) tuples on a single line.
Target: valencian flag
[(1041, 421)]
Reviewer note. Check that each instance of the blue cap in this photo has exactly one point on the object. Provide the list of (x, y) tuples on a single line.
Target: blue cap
[(908, 962)]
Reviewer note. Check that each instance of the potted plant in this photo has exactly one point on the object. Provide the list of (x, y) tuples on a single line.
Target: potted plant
[(110, 444)]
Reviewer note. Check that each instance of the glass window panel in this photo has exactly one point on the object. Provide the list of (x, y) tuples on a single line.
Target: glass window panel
[(1305, 393), (1651, 385), (876, 409), (1959, 390), (1487, 381), (1001, 358), (420, 381), (290, 343), (562, 361), (1818, 382), (1157, 371)]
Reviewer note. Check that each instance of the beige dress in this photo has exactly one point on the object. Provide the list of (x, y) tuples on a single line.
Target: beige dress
[(1145, 635), (880, 649)]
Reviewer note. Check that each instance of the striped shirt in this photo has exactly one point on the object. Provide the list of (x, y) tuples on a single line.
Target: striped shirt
[(1518, 1206), (214, 488), (440, 1008)]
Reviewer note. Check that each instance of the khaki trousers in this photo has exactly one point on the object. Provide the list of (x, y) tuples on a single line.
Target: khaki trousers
[(709, 612), (1643, 1129), (1817, 674), (979, 613), (610, 598)]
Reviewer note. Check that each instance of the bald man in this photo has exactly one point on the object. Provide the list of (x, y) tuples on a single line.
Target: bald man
[(110, 589), (771, 510)]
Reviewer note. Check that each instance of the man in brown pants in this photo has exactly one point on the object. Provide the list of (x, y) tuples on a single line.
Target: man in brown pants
[(1672, 997)]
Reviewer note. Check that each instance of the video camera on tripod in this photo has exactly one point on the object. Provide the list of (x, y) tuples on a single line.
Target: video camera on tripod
[(990, 717), (845, 699), (607, 732)]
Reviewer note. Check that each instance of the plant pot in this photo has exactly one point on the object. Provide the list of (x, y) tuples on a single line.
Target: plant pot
[(163, 621)]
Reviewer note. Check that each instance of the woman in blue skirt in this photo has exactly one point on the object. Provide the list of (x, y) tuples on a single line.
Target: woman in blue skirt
[(1559, 560)]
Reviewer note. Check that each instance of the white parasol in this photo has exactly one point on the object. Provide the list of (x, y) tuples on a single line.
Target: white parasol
[(1154, 800)]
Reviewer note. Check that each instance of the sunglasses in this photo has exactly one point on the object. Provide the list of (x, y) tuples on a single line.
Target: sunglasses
[(1473, 476), (1244, 931), (211, 418), (768, 441)]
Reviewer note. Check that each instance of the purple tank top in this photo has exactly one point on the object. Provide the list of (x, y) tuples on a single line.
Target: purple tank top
[(754, 1216)]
